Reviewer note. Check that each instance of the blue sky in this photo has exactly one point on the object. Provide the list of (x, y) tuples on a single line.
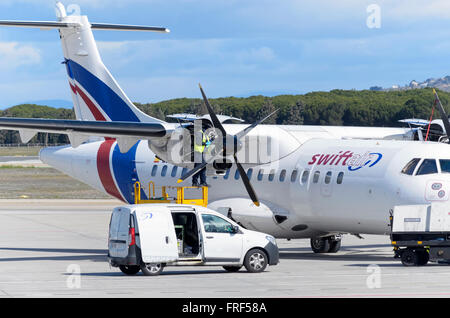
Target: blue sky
[(234, 48)]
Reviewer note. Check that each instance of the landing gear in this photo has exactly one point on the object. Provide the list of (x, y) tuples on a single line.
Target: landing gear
[(329, 244)]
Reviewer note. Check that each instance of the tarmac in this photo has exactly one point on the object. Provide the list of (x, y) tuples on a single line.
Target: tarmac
[(58, 248)]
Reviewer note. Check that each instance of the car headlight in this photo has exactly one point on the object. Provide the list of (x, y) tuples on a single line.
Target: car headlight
[(271, 239)]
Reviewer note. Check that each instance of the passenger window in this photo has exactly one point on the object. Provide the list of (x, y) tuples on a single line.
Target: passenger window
[(174, 171), (294, 175), (164, 171), (316, 176), (249, 173), (328, 177), (154, 170), (236, 175), (215, 224), (428, 166), (183, 172), (227, 174), (271, 175), (260, 174), (445, 165), (340, 177), (282, 175), (305, 176), (410, 166)]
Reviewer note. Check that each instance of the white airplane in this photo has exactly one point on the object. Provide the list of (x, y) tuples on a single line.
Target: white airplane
[(316, 182)]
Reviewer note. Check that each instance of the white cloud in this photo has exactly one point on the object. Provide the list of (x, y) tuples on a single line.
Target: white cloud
[(14, 55)]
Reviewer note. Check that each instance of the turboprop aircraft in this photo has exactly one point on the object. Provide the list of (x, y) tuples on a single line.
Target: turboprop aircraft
[(316, 182)]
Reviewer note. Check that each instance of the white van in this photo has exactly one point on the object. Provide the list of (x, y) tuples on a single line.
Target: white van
[(148, 237)]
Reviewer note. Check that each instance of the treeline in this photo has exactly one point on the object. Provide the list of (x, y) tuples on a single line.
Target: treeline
[(337, 107)]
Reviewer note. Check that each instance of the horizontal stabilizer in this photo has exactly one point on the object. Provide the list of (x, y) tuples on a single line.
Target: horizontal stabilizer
[(94, 26)]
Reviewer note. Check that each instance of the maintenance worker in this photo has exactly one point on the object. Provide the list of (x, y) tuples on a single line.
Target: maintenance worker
[(201, 143)]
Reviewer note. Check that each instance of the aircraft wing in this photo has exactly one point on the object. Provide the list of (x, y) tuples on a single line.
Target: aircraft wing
[(126, 133)]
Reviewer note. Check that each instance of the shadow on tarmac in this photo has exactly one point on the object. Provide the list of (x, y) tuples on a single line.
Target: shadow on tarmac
[(95, 255)]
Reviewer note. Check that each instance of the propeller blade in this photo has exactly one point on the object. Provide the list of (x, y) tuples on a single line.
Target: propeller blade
[(247, 183), (192, 172), (245, 131), (444, 116), (216, 122)]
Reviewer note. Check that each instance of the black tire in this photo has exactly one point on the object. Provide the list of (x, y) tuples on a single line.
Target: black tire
[(424, 257), (335, 246), (130, 269), (232, 269), (410, 257), (152, 269), (256, 260), (320, 245)]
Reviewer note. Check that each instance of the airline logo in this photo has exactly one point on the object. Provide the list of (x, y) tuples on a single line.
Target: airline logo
[(347, 158)]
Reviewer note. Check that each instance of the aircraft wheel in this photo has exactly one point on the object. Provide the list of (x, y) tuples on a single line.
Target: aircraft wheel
[(152, 269), (320, 244), (335, 246)]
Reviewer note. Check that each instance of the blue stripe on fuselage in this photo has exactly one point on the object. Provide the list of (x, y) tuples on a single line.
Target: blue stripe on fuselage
[(114, 106), (125, 173)]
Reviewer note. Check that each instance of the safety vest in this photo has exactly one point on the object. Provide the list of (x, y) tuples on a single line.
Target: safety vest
[(201, 148)]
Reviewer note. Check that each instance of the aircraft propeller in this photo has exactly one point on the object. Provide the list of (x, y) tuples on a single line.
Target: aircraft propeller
[(230, 143)]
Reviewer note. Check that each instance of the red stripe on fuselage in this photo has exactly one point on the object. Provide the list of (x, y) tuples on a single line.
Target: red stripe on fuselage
[(104, 169), (94, 110)]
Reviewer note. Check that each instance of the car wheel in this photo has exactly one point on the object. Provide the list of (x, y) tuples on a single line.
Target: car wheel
[(256, 260), (152, 269), (130, 269)]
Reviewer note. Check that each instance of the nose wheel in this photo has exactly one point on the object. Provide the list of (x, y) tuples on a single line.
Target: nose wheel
[(329, 244)]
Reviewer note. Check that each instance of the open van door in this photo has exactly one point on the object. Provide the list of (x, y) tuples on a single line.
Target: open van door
[(156, 234), (119, 228)]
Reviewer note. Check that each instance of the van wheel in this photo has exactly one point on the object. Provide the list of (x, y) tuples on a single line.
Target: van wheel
[(151, 269), (232, 269), (256, 260), (130, 269)]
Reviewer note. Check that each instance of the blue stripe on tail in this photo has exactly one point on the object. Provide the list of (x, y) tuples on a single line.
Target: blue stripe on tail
[(114, 106)]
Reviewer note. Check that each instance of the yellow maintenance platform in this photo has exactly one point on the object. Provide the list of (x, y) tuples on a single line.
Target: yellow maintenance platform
[(165, 198)]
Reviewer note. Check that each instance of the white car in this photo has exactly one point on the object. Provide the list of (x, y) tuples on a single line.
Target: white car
[(149, 237)]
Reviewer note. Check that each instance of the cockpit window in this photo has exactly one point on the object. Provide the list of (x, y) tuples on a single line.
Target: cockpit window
[(445, 165), (428, 166), (410, 166)]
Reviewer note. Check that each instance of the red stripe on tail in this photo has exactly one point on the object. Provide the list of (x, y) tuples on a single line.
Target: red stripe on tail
[(94, 110), (104, 169)]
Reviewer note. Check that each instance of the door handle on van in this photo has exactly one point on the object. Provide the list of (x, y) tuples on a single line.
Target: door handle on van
[(167, 240), (210, 237)]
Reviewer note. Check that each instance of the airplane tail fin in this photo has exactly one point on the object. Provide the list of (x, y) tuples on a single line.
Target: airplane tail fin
[(96, 94)]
